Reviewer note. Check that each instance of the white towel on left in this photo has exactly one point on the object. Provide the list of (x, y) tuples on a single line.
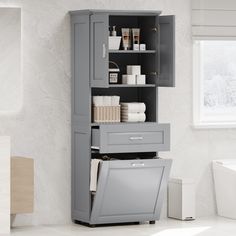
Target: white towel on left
[(94, 174)]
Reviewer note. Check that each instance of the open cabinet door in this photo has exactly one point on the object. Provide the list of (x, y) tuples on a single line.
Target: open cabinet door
[(99, 50), (130, 190), (167, 51)]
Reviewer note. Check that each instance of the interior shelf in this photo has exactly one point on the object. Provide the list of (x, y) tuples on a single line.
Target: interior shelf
[(132, 51), (146, 93), (121, 123), (131, 85)]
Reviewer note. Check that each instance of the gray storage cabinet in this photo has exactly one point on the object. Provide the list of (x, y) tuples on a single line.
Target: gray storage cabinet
[(130, 189)]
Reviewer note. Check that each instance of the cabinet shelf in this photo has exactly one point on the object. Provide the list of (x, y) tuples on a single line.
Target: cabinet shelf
[(132, 51), (131, 85), (122, 123)]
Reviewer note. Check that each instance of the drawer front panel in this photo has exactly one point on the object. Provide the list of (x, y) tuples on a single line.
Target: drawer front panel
[(121, 138), (130, 190)]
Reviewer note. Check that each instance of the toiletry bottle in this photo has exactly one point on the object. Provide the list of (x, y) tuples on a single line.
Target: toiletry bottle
[(126, 38), (129, 47), (113, 33)]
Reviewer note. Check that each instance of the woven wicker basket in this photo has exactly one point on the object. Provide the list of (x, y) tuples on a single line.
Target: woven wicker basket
[(106, 114)]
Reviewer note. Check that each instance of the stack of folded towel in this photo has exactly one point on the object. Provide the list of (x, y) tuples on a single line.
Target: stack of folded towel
[(133, 112)]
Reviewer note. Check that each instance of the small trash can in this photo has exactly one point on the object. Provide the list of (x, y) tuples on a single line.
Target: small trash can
[(181, 199)]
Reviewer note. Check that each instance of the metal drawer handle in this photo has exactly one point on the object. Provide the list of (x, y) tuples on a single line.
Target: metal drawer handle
[(137, 164), (104, 50), (136, 138)]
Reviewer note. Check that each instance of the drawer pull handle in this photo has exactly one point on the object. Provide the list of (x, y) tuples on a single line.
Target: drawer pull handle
[(137, 164), (104, 50), (136, 138)]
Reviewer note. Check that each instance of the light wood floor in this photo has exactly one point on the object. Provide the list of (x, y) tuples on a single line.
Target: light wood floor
[(215, 226)]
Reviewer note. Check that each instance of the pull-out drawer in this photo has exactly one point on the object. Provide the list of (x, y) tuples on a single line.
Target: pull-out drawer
[(130, 190), (118, 138)]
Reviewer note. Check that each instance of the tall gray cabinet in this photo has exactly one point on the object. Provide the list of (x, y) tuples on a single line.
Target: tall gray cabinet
[(131, 185)]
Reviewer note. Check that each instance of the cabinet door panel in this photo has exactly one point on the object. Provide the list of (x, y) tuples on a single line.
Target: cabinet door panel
[(99, 50), (167, 51), (130, 190), (80, 118)]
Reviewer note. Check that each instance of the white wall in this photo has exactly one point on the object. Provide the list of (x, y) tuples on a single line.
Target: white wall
[(42, 129), (10, 64)]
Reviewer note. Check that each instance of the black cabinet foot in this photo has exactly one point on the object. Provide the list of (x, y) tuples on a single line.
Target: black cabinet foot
[(152, 222)]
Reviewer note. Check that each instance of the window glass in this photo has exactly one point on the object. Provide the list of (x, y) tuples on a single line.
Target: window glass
[(217, 80)]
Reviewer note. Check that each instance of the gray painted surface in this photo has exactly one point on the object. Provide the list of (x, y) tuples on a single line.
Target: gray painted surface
[(99, 50), (125, 182), (129, 190), (80, 118), (115, 12), (167, 51), (138, 137)]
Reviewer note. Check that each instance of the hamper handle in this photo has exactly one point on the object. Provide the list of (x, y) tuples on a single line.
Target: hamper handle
[(112, 62)]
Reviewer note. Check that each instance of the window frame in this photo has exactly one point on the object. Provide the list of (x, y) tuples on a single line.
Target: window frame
[(198, 122)]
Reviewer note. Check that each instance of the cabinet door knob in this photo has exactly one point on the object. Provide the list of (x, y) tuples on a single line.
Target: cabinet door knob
[(104, 50)]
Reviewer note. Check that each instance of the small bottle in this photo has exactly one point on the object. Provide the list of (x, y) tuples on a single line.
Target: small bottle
[(113, 33)]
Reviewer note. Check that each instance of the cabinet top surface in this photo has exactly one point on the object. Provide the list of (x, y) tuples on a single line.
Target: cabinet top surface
[(116, 12)]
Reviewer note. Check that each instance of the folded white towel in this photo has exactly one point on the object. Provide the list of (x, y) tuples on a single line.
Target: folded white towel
[(133, 107), (94, 174), (133, 117)]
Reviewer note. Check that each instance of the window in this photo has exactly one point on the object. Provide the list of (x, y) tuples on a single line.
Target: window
[(214, 86)]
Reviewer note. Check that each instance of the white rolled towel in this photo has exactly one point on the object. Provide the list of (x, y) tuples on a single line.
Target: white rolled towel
[(98, 101), (133, 107), (115, 100), (107, 100), (133, 117)]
